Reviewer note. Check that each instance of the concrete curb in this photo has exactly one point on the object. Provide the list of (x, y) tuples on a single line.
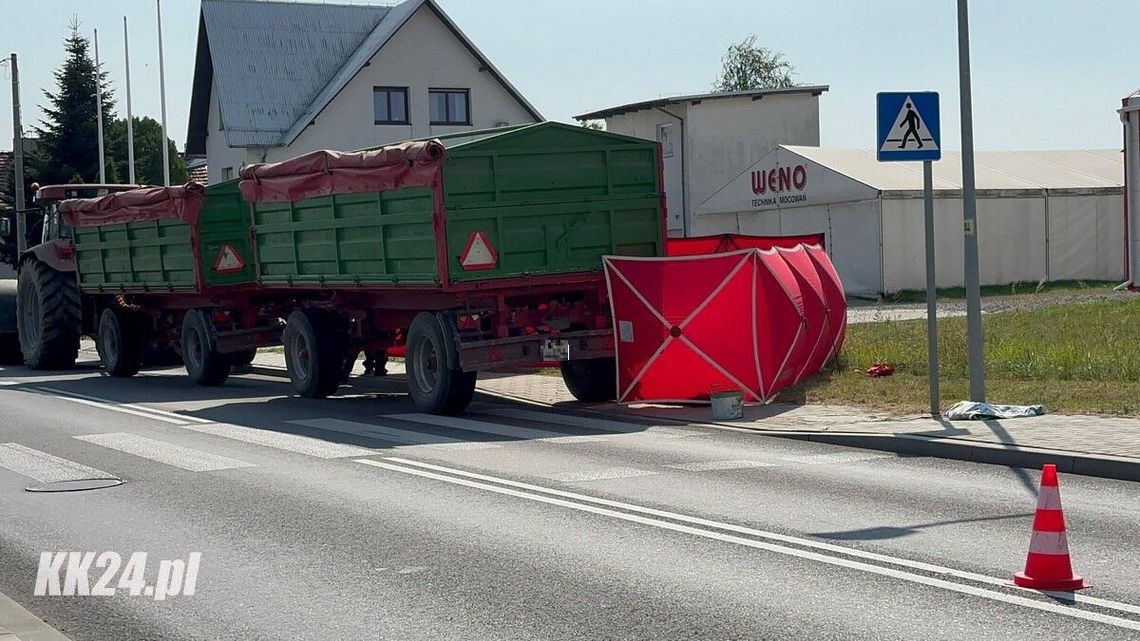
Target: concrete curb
[(22, 625), (1085, 464)]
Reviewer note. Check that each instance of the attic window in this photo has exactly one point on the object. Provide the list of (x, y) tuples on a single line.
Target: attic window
[(390, 105), (450, 106)]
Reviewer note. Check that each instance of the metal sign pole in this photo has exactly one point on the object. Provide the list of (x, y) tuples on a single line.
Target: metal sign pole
[(18, 159), (931, 284), (970, 215)]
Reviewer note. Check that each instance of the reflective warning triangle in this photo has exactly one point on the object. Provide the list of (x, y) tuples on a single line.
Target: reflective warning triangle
[(229, 260), (479, 253), (905, 129)]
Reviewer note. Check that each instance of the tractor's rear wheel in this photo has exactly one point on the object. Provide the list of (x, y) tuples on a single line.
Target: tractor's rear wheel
[(204, 365), (120, 342), (49, 316)]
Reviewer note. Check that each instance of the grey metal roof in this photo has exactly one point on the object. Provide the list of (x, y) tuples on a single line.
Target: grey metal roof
[(715, 95), (271, 59), (277, 65)]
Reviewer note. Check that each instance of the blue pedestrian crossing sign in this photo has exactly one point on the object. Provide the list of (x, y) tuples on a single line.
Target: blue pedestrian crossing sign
[(909, 129)]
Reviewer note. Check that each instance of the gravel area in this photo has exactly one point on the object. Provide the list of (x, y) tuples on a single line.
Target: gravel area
[(871, 312)]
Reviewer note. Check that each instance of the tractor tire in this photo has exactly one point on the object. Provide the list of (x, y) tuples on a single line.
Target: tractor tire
[(120, 342), (204, 365), (315, 346), (436, 387), (49, 316), (591, 381)]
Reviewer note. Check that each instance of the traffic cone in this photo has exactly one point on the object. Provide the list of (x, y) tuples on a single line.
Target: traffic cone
[(1047, 566)]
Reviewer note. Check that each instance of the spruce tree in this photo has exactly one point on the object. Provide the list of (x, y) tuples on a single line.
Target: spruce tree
[(69, 144)]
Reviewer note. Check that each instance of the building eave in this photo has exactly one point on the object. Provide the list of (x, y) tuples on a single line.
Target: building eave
[(756, 94)]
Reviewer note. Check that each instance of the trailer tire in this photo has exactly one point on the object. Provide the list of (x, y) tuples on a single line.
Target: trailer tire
[(9, 336), (244, 358), (204, 365), (436, 384), (49, 316), (592, 380), (315, 346), (119, 342)]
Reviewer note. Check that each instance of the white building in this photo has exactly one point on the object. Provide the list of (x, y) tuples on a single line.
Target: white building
[(1044, 215), (273, 80), (709, 138)]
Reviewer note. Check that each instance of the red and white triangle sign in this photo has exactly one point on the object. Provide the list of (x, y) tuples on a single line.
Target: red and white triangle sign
[(229, 260), (479, 253)]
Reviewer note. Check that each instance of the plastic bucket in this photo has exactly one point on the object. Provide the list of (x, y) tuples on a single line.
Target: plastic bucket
[(727, 405)]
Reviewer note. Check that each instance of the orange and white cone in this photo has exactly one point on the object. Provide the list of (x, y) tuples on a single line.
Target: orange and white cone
[(1048, 567)]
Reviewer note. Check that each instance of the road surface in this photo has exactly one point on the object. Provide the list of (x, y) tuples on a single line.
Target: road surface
[(356, 518)]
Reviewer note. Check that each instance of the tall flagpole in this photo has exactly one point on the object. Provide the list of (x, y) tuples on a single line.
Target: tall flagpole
[(162, 96), (130, 120), (99, 111)]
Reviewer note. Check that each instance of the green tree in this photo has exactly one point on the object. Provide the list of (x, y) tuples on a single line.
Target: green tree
[(148, 152), (747, 66), (69, 144)]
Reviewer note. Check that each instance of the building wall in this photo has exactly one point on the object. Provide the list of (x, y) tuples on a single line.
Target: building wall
[(720, 139), (219, 155), (423, 54), (647, 124)]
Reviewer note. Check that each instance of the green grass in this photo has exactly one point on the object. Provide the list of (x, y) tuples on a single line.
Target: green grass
[(1061, 287), (1081, 357)]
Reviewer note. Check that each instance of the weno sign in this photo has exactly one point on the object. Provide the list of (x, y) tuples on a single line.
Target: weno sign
[(779, 186)]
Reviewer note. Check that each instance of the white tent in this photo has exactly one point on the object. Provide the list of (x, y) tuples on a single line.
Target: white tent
[(1042, 215)]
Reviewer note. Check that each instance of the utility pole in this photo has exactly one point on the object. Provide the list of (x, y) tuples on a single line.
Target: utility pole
[(99, 112), (975, 355), (162, 97), (18, 158), (130, 120)]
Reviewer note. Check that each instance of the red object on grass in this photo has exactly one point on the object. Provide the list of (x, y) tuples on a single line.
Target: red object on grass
[(735, 321), (879, 370)]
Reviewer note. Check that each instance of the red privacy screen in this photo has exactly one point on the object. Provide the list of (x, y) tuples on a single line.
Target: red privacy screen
[(752, 320)]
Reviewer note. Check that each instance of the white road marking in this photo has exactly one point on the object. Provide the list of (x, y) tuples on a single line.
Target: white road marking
[(43, 467), (837, 458), (7, 383), (714, 466), (498, 429), (633, 514), (602, 425), (168, 453), (607, 474), (295, 443), (126, 408), (407, 438)]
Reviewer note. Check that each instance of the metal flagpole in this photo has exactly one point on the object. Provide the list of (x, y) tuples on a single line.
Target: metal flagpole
[(162, 97), (130, 120), (99, 111), (970, 215), (931, 285)]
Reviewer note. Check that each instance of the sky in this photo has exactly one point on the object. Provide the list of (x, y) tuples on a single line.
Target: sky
[(1047, 74)]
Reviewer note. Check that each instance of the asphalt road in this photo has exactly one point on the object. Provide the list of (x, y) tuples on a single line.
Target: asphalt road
[(355, 518)]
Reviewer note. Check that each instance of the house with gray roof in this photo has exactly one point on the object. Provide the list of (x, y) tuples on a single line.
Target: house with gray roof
[(273, 80)]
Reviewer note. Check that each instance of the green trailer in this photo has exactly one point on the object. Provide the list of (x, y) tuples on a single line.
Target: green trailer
[(470, 252)]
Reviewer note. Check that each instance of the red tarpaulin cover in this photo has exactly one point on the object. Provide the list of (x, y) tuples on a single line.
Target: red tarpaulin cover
[(731, 242), (750, 320), (152, 203), (325, 173)]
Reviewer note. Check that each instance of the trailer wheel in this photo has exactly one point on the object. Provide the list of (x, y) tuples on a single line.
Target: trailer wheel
[(244, 358), (435, 385), (204, 365), (592, 380), (9, 337), (120, 343), (49, 316), (314, 352)]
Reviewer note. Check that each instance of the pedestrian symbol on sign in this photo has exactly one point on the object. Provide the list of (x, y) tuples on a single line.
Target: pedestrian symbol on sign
[(909, 131)]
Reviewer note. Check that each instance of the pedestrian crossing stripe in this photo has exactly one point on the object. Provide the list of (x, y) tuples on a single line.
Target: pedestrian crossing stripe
[(909, 132)]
